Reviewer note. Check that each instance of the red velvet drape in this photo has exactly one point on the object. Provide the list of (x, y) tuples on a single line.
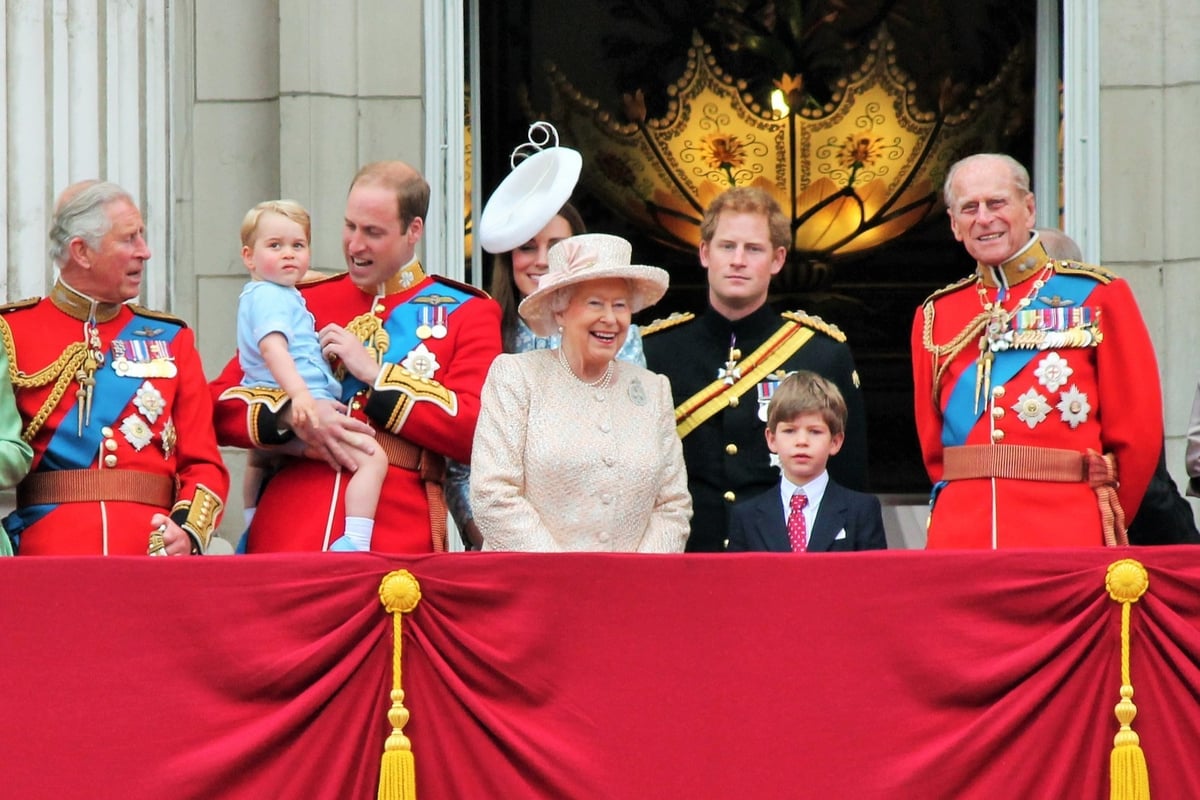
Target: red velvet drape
[(756, 676)]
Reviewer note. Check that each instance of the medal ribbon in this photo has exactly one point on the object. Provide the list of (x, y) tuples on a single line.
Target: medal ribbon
[(700, 407), (112, 393), (402, 328), (960, 415)]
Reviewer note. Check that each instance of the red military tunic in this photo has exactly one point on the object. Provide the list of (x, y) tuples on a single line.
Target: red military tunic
[(147, 445), (1073, 370), (439, 338)]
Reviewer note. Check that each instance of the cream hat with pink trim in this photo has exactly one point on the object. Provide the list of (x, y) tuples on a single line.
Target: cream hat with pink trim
[(590, 257)]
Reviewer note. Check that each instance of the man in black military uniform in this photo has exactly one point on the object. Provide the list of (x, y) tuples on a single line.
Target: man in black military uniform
[(724, 364)]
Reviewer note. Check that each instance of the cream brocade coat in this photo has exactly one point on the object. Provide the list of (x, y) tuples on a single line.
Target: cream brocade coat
[(558, 465)]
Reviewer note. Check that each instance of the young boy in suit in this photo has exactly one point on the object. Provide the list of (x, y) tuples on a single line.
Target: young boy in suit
[(807, 512)]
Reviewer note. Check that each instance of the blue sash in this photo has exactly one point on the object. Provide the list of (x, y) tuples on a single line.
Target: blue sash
[(112, 393), (960, 415), (401, 326)]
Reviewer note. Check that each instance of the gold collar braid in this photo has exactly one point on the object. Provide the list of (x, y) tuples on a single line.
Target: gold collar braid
[(79, 306)]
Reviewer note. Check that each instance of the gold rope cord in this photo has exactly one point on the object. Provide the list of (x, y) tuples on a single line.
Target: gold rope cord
[(61, 372), (1126, 581), (944, 354), (399, 592)]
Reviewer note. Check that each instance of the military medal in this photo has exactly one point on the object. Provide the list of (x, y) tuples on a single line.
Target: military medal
[(439, 322), (143, 359), (421, 362), (730, 373), (766, 390), (424, 328)]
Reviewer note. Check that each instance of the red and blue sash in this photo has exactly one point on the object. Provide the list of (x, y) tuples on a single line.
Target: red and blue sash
[(111, 394), (960, 415)]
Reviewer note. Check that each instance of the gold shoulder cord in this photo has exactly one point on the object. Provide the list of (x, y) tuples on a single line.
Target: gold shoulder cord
[(944, 354), (60, 372)]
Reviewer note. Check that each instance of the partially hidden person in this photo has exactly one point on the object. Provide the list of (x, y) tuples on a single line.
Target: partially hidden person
[(529, 213)]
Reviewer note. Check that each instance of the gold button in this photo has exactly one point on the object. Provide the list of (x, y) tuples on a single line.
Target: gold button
[(998, 392), (731, 449), (735, 354), (356, 405), (998, 412), (730, 497), (733, 402), (110, 460), (110, 444), (379, 308), (997, 436)]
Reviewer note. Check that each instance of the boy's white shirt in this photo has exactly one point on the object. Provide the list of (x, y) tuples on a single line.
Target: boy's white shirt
[(815, 489)]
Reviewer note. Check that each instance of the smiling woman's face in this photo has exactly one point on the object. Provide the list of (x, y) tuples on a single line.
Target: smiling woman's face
[(595, 323), (530, 260)]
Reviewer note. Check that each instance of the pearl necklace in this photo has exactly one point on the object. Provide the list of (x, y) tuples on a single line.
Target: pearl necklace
[(600, 383)]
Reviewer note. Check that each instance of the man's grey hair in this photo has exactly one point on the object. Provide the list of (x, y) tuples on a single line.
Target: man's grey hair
[(84, 216), (1020, 175)]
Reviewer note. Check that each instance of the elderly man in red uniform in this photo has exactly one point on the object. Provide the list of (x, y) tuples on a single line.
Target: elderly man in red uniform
[(1037, 393), (412, 350), (112, 399)]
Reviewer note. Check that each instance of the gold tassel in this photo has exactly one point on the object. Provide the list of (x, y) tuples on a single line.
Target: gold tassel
[(1126, 581), (399, 592)]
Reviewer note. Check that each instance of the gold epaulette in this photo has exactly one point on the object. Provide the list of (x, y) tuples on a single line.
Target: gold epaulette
[(1090, 270), (954, 287), (678, 318), (17, 305), (314, 277), (154, 314), (462, 287), (816, 323)]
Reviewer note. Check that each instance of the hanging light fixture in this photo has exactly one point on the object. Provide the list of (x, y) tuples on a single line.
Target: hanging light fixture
[(852, 173)]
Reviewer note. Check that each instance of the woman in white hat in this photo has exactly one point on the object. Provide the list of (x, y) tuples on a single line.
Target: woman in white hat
[(574, 449)]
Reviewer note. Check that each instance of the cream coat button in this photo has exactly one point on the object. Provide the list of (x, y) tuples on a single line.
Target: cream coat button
[(730, 497), (110, 460), (997, 436), (731, 449), (110, 445)]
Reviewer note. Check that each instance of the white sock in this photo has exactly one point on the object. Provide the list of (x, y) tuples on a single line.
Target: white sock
[(359, 530), (248, 515)]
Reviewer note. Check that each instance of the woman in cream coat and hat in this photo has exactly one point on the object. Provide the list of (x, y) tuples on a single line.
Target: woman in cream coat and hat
[(575, 450)]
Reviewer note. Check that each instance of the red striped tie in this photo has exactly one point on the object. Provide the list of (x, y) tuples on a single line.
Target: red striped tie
[(797, 530)]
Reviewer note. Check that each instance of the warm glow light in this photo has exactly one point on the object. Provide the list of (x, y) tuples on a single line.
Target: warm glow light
[(779, 104), (852, 174)]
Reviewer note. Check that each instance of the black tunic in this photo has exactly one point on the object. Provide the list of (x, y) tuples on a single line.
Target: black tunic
[(727, 457)]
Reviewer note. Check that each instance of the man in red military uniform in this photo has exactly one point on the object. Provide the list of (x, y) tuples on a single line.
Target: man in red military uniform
[(1037, 393), (413, 351), (112, 399)]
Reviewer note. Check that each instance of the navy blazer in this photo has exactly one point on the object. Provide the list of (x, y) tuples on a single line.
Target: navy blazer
[(760, 523)]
